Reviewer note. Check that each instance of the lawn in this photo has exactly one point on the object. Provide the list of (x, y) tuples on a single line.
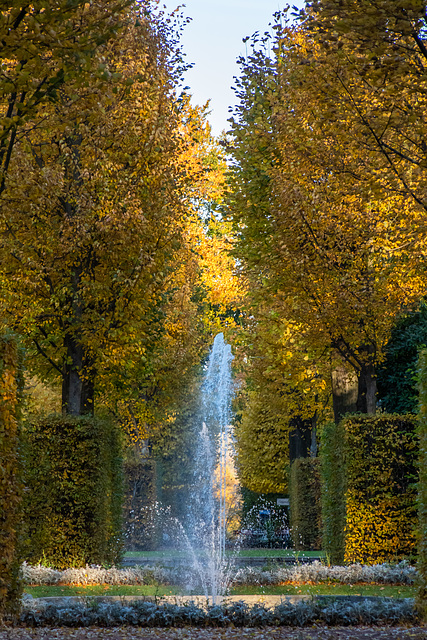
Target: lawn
[(101, 590), (331, 589)]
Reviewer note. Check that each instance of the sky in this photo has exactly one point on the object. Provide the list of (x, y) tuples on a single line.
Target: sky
[(213, 42)]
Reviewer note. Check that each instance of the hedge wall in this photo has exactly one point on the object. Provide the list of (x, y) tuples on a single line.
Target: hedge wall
[(304, 503), (10, 474), (74, 491), (369, 475), (333, 475), (421, 599), (381, 463)]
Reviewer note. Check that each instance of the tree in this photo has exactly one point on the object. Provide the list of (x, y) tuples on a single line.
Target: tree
[(283, 389), (332, 254), (102, 198), (42, 47), (381, 46), (152, 392), (397, 387)]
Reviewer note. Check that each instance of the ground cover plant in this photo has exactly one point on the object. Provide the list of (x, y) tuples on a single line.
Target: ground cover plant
[(329, 611), (142, 581)]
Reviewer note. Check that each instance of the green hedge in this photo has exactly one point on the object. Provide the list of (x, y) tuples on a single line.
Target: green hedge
[(422, 486), (11, 383), (304, 502), (333, 475), (74, 491)]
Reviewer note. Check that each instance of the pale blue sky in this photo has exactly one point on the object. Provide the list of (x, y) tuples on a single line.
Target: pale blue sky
[(213, 41)]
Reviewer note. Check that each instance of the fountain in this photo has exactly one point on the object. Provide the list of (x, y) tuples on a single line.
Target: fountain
[(206, 523), (195, 525)]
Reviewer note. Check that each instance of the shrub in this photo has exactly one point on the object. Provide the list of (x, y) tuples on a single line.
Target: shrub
[(332, 473), (368, 488), (73, 502), (10, 474), (381, 453), (342, 612), (396, 376), (422, 486), (305, 507)]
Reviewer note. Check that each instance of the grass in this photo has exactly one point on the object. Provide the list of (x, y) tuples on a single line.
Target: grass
[(280, 553), (247, 553), (330, 589), (101, 590)]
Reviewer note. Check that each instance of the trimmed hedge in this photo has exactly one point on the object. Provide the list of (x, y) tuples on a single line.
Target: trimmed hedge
[(421, 599), (369, 475), (305, 506), (11, 384), (381, 459), (74, 492), (333, 474)]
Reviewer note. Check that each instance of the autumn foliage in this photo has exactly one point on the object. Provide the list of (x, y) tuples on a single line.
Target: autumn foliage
[(327, 204), (11, 485), (73, 502), (369, 478), (100, 206)]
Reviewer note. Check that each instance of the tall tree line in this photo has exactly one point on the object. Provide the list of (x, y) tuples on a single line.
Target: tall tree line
[(328, 203)]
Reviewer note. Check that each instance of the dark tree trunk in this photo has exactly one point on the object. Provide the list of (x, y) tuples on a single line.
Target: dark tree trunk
[(78, 370), (300, 438), (78, 381), (353, 390), (344, 390), (367, 390)]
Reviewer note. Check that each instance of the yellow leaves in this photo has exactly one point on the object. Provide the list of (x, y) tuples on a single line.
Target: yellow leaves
[(336, 243), (380, 532), (101, 237), (10, 476), (218, 267)]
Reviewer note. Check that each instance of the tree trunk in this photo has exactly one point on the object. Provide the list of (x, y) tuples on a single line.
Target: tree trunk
[(313, 447), (344, 390), (353, 390), (367, 390), (300, 438), (78, 381)]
